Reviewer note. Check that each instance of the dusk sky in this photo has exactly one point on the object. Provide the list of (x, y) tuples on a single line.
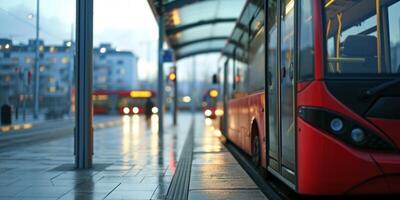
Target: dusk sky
[(127, 24)]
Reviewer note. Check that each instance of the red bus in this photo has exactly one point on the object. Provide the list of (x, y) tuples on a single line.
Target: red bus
[(122, 102), (209, 103), (314, 93)]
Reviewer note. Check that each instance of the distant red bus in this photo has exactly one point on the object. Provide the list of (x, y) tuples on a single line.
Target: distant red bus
[(122, 102), (312, 92), (209, 103)]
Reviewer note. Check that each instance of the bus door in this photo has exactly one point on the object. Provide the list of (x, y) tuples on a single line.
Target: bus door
[(281, 78), (287, 103)]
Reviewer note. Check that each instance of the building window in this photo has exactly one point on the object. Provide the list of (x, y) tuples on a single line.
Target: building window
[(52, 80), (121, 71), (65, 60), (52, 89), (52, 60), (52, 49), (42, 68), (120, 62), (7, 78), (28, 60), (102, 79)]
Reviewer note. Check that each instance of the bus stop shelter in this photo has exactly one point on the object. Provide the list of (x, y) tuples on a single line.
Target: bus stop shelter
[(189, 27), (192, 27)]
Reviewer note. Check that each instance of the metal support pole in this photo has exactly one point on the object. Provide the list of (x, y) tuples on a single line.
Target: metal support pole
[(175, 112), (70, 68), (84, 70), (225, 98), (36, 68), (194, 84), (160, 81)]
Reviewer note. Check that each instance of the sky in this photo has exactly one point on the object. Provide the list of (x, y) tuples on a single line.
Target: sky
[(126, 24)]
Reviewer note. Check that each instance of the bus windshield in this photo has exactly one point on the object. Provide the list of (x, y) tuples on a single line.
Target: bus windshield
[(362, 37)]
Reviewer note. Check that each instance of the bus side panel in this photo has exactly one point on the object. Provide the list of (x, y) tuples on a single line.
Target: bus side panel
[(233, 127), (239, 131), (256, 113), (325, 164)]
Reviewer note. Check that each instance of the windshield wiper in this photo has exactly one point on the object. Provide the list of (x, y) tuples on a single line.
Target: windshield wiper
[(373, 91)]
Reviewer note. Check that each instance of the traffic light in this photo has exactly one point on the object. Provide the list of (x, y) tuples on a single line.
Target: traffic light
[(172, 76), (213, 93), (29, 77)]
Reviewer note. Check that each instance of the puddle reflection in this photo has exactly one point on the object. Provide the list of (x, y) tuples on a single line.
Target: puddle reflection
[(139, 136)]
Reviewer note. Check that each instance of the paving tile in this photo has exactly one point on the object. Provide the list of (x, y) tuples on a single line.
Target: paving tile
[(69, 183), (75, 195), (44, 192), (226, 194), (135, 187), (28, 182), (222, 184), (134, 195), (117, 179), (90, 187), (6, 191)]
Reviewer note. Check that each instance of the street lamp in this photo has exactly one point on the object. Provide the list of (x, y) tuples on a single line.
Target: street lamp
[(36, 69)]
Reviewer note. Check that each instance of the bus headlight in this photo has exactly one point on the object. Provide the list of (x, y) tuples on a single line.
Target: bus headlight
[(336, 124), (208, 113), (154, 110), (125, 110), (135, 110), (344, 129), (357, 135)]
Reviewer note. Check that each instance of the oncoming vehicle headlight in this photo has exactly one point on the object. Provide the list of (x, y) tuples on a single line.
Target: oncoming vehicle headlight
[(219, 112), (154, 110), (135, 110), (208, 113), (125, 110)]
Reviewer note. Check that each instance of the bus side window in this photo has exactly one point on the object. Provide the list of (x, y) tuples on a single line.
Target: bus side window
[(306, 42), (394, 23)]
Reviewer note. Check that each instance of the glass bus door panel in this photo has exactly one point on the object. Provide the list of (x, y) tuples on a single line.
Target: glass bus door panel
[(272, 86), (287, 129), (274, 158)]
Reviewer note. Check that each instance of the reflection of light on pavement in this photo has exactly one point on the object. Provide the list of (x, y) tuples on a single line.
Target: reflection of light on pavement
[(211, 142), (135, 124), (217, 133), (208, 122), (136, 140), (126, 124), (126, 139), (154, 124), (154, 145)]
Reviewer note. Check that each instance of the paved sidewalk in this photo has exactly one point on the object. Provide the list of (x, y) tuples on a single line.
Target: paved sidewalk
[(131, 162), (215, 172)]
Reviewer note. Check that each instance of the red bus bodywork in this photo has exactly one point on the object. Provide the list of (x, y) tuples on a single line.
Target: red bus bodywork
[(324, 164)]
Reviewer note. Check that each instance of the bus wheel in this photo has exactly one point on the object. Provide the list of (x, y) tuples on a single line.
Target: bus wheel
[(255, 151)]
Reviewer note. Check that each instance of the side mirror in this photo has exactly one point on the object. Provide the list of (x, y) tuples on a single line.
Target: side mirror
[(215, 79)]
